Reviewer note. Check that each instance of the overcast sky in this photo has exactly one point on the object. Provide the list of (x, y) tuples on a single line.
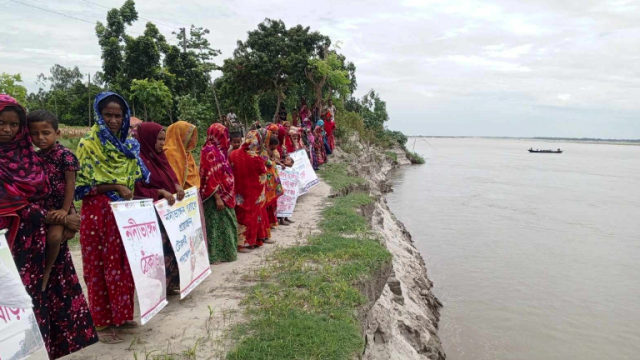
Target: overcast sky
[(462, 68)]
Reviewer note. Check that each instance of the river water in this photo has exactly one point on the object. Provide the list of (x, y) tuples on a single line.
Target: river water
[(535, 256)]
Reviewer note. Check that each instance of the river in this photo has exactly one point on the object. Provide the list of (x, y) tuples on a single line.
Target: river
[(534, 256)]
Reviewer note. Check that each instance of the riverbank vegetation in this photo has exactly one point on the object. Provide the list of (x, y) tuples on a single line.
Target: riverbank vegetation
[(306, 300)]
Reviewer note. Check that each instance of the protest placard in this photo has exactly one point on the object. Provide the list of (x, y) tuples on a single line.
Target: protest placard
[(20, 336), (302, 166), (291, 186), (140, 231), (183, 223)]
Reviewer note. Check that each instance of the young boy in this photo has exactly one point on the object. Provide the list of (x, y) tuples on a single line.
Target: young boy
[(236, 141), (60, 165), (287, 162)]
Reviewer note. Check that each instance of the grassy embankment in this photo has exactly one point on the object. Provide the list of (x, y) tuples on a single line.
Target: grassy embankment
[(305, 302)]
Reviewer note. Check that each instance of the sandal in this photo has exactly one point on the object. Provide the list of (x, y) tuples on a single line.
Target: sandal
[(130, 324), (269, 241), (109, 338), (244, 250)]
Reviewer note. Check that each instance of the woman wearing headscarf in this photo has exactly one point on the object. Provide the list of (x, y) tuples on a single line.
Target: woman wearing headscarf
[(182, 138), (292, 141), (217, 193), (318, 144), (273, 188), (250, 175), (163, 183), (329, 127), (110, 165), (61, 310)]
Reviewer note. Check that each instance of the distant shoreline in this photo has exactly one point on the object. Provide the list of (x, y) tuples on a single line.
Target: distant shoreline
[(548, 139)]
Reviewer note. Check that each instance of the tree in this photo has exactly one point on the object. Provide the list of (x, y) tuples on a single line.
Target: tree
[(328, 71), (195, 112), (154, 96), (273, 58), (374, 111), (111, 36), (9, 84)]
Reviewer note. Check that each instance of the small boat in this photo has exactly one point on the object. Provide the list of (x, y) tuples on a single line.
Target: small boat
[(559, 151)]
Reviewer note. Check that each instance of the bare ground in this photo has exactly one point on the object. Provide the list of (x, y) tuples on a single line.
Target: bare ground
[(196, 327)]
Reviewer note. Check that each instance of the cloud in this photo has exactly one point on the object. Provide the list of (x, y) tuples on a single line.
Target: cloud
[(445, 67)]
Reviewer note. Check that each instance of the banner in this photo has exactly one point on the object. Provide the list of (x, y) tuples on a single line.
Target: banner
[(20, 336), (291, 185), (142, 240), (183, 223), (302, 166)]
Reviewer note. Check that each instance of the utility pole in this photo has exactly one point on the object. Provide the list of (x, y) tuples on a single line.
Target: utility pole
[(184, 39), (89, 98)]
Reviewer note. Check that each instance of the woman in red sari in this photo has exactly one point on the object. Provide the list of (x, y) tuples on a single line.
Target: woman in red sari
[(61, 310), (217, 193), (329, 127), (250, 175)]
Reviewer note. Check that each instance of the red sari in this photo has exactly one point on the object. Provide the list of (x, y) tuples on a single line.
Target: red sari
[(250, 174), (329, 127)]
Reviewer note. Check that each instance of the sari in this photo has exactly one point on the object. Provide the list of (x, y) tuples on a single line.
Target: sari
[(105, 159), (61, 310), (273, 188), (329, 127), (250, 175), (161, 177), (216, 177), (318, 146), (182, 139)]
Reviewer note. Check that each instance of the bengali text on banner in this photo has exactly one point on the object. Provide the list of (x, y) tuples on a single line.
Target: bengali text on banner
[(302, 166), (183, 223), (142, 240), (20, 336)]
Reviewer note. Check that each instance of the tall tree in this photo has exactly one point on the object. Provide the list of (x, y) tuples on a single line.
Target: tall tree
[(273, 58)]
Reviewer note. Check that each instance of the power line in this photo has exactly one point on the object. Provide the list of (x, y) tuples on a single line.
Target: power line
[(73, 17), (53, 12), (153, 21)]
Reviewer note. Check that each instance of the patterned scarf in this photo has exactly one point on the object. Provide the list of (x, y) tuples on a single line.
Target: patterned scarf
[(216, 175), (181, 141), (106, 158), (22, 177)]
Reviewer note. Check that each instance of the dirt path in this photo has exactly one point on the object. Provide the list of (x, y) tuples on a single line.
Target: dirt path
[(211, 308)]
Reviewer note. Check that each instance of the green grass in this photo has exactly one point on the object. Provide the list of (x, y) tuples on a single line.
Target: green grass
[(414, 157), (305, 301), (337, 177), (391, 155)]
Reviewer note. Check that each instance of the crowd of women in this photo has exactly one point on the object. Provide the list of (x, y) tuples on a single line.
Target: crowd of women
[(237, 179)]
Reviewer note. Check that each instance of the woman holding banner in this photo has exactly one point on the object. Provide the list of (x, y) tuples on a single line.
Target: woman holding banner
[(250, 174), (217, 193), (181, 140), (109, 167), (162, 184), (61, 310)]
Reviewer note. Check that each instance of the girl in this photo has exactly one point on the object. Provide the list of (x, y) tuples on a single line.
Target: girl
[(61, 166)]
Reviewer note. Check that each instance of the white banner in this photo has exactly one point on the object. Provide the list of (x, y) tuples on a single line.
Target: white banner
[(20, 336), (142, 240), (302, 166), (183, 223), (291, 185)]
